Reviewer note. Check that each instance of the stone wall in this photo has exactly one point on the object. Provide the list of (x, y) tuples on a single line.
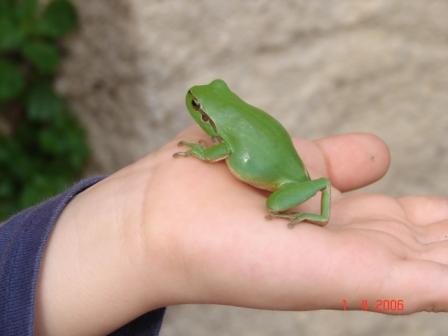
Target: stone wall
[(321, 67)]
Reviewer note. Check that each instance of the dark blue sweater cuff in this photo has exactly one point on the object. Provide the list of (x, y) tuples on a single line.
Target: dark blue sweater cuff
[(22, 241)]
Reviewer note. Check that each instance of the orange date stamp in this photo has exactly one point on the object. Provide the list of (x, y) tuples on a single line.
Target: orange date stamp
[(378, 305)]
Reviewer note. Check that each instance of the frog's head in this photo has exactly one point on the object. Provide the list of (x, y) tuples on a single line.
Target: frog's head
[(204, 102)]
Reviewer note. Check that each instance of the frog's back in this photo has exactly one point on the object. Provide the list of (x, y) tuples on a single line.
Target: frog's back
[(262, 153)]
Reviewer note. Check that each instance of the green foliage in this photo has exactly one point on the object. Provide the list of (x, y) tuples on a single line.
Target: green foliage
[(58, 19), (42, 145), (44, 56), (11, 79)]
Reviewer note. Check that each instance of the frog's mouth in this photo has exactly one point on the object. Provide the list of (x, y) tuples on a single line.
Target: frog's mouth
[(198, 108)]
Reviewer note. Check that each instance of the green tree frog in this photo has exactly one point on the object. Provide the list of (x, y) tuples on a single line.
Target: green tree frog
[(258, 150)]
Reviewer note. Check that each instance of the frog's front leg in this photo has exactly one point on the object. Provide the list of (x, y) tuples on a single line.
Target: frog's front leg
[(199, 150), (290, 195)]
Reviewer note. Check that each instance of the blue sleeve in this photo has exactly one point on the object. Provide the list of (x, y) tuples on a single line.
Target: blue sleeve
[(22, 241)]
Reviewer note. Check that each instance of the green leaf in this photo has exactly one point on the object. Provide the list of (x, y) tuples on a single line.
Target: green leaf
[(43, 104), (43, 55), (26, 10), (10, 35), (11, 80), (59, 19)]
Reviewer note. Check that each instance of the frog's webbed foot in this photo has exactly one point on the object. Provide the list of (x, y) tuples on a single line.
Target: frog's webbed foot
[(281, 201), (286, 215), (272, 215), (193, 147), (297, 217), (201, 151)]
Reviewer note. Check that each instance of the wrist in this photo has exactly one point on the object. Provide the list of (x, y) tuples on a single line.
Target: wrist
[(97, 272)]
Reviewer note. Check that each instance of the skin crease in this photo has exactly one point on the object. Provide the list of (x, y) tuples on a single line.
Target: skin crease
[(164, 231)]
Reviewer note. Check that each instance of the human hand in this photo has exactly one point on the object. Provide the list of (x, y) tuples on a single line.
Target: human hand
[(166, 231), (374, 247)]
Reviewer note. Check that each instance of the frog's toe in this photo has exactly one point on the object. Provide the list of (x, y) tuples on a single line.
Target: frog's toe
[(293, 223), (181, 154)]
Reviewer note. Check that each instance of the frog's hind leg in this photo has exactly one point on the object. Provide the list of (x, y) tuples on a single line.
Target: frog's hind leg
[(293, 194)]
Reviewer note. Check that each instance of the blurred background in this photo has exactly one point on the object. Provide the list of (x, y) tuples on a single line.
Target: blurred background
[(109, 78)]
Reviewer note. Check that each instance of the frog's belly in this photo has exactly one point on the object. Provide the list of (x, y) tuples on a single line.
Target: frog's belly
[(259, 174), (270, 185)]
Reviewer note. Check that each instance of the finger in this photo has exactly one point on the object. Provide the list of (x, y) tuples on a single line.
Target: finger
[(422, 210), (435, 252), (354, 160), (434, 233)]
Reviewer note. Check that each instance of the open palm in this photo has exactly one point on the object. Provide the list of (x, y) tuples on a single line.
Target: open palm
[(375, 249)]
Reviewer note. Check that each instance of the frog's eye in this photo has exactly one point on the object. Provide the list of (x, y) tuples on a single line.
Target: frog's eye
[(195, 104), (204, 117)]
